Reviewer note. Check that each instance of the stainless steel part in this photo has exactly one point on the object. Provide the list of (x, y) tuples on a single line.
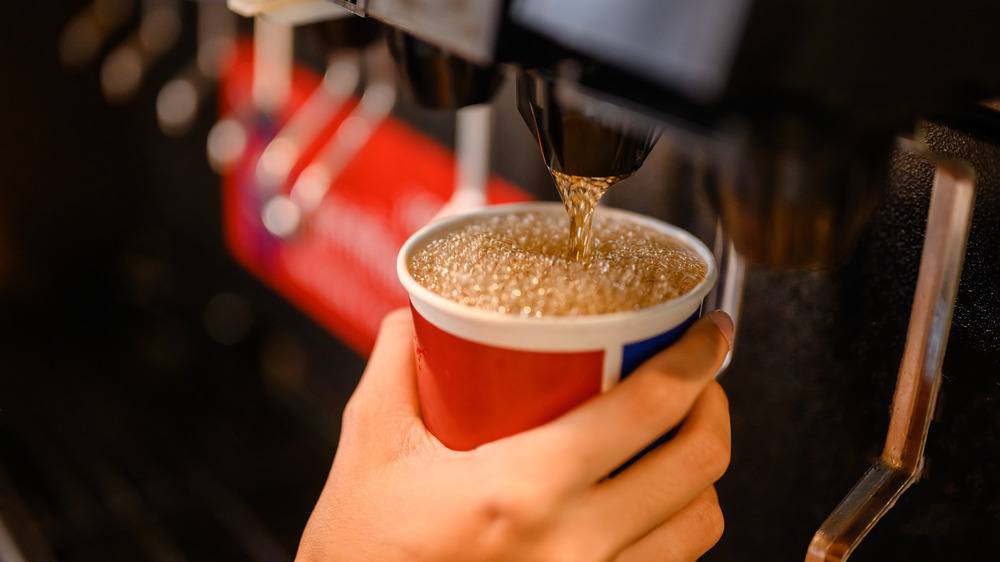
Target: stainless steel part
[(473, 134), (284, 215), (901, 463)]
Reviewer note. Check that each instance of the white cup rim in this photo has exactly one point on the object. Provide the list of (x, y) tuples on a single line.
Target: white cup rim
[(472, 314)]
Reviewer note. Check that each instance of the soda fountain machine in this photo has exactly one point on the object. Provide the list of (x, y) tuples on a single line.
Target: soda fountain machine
[(812, 128), (842, 157), (801, 122)]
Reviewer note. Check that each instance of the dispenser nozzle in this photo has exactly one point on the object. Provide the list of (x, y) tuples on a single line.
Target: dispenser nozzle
[(438, 79), (578, 135), (796, 198)]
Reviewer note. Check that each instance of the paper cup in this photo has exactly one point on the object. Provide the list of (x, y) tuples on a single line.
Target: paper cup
[(483, 375)]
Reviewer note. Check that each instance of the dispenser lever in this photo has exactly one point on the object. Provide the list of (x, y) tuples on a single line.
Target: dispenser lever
[(900, 465)]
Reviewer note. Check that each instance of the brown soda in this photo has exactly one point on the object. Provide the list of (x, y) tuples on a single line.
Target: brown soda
[(518, 263)]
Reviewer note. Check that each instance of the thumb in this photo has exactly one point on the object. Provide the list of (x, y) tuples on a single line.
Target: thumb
[(389, 383)]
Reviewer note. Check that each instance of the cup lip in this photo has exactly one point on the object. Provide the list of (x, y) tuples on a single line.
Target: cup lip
[(468, 313)]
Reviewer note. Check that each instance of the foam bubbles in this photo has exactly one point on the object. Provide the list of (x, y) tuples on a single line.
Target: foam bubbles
[(517, 264)]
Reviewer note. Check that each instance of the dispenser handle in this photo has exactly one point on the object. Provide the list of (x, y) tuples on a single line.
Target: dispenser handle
[(284, 215), (948, 222), (283, 152)]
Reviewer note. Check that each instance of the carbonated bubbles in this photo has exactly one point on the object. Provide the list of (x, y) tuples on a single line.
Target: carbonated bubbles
[(520, 263)]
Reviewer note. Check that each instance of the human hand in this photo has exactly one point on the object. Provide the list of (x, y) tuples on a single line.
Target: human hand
[(396, 493)]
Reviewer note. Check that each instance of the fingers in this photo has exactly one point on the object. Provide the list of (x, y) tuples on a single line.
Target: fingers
[(704, 344), (599, 436), (724, 323), (661, 483), (687, 535)]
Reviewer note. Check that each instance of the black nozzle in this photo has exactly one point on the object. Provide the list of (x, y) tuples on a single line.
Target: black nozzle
[(581, 137), (794, 197), (437, 79)]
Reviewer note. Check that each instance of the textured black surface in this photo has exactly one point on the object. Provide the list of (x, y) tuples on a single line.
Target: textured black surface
[(127, 432), (812, 381)]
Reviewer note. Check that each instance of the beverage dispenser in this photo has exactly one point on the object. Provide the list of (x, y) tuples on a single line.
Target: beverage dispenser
[(843, 147)]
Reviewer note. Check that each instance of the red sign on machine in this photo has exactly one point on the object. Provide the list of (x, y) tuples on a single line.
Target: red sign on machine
[(352, 207)]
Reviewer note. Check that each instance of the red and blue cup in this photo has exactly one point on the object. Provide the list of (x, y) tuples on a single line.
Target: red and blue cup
[(483, 375)]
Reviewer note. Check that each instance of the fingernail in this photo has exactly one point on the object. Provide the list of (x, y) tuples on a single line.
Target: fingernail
[(724, 323)]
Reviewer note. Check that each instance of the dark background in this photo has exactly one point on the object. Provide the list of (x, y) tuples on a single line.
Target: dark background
[(127, 431), (130, 430)]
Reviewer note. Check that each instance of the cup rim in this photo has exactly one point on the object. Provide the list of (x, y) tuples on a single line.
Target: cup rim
[(415, 290)]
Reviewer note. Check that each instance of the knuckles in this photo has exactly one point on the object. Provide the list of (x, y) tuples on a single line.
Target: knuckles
[(528, 514), (710, 519), (514, 507), (708, 442), (708, 454)]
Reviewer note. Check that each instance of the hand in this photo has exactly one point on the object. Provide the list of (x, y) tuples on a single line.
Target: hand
[(396, 493)]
